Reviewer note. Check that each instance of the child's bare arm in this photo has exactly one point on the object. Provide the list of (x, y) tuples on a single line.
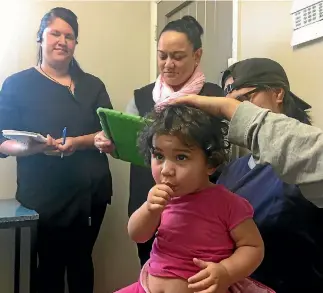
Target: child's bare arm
[(144, 222), (249, 251)]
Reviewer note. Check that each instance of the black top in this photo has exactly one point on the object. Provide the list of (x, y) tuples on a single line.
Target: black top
[(141, 179), (55, 187), (290, 226)]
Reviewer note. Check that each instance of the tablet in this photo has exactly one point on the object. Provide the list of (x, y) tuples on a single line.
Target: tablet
[(122, 129)]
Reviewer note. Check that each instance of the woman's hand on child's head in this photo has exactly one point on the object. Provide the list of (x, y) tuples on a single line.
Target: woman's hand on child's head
[(212, 278), (217, 106), (158, 197)]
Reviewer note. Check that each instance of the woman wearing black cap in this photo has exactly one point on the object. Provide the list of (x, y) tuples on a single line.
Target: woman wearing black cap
[(290, 224)]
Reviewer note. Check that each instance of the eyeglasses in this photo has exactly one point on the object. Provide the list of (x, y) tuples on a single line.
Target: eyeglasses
[(247, 96)]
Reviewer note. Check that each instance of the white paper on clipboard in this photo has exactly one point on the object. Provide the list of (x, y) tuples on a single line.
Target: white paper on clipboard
[(24, 136)]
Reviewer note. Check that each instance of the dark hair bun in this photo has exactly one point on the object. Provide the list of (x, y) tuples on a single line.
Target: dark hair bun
[(189, 26), (194, 22)]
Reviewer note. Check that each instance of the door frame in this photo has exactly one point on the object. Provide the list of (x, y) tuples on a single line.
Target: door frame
[(153, 36)]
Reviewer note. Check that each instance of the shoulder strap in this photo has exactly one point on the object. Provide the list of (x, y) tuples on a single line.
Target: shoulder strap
[(212, 89), (144, 99)]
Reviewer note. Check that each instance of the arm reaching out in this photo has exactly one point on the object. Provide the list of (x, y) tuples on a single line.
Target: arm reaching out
[(292, 148)]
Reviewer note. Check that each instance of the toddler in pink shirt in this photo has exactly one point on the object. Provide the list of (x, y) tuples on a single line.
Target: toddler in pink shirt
[(206, 239)]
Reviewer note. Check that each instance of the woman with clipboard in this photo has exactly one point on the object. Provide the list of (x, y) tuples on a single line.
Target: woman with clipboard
[(179, 56), (66, 180)]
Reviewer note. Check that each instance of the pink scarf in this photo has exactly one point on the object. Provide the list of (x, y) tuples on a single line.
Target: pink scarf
[(162, 93)]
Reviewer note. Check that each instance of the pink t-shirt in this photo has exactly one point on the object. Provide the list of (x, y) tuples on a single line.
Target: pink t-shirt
[(197, 225)]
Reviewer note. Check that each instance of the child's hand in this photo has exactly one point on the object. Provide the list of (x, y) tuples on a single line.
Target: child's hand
[(158, 197), (213, 278)]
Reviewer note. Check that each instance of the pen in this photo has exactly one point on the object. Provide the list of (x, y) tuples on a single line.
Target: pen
[(63, 140)]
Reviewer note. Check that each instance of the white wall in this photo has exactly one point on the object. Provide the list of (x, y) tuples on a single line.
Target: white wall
[(265, 30), (153, 41), (115, 45)]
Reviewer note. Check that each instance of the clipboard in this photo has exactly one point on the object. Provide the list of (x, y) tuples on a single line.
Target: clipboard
[(23, 136), (122, 129)]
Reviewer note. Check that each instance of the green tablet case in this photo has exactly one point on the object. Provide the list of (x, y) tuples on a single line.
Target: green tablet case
[(123, 130)]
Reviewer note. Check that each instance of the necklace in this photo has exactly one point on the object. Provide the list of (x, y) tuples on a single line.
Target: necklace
[(69, 87)]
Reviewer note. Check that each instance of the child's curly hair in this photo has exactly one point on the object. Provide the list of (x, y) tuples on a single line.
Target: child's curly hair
[(192, 126)]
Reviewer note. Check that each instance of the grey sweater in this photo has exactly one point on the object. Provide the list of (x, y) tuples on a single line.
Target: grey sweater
[(294, 149)]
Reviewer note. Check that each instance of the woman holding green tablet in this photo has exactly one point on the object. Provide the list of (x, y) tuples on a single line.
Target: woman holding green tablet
[(179, 55)]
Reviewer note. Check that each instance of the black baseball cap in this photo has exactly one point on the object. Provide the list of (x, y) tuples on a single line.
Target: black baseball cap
[(260, 72)]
